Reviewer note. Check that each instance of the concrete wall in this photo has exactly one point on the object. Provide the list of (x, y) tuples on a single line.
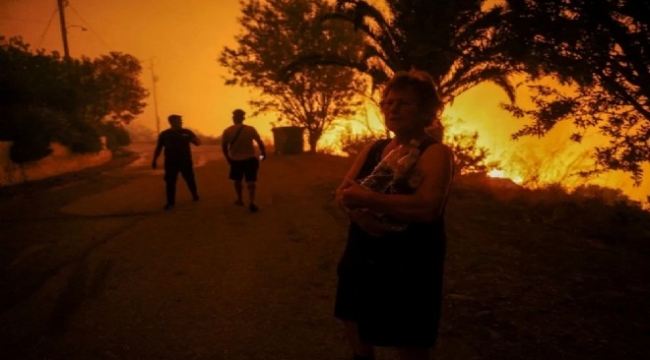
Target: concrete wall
[(59, 162)]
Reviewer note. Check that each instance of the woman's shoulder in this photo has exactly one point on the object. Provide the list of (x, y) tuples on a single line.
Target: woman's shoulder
[(439, 148)]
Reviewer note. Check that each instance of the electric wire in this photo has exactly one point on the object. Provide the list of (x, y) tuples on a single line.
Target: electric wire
[(88, 25), (47, 27)]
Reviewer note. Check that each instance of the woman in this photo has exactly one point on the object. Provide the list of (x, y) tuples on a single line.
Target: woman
[(390, 282)]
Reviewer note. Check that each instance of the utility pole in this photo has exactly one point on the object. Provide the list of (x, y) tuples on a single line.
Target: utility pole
[(154, 79), (64, 30)]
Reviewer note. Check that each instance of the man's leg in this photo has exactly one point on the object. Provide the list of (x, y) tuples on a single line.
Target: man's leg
[(188, 175), (236, 175), (250, 172), (251, 195), (171, 174), (238, 191)]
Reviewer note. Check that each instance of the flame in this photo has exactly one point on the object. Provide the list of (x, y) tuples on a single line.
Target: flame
[(497, 174), (501, 174)]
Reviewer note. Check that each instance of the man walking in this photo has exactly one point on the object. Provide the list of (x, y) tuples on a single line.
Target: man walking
[(178, 157), (237, 145)]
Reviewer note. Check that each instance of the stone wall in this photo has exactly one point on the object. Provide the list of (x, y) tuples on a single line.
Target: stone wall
[(61, 161)]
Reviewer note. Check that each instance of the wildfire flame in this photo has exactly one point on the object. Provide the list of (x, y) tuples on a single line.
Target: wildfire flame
[(496, 173)]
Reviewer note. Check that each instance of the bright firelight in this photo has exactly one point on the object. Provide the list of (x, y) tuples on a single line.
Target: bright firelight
[(502, 175), (496, 174)]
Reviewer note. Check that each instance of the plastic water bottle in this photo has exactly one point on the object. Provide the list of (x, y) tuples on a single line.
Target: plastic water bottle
[(402, 172), (381, 177), (405, 163)]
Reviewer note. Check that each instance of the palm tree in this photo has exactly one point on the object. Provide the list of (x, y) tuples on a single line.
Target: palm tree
[(458, 42)]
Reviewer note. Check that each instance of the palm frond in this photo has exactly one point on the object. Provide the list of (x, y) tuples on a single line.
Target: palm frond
[(315, 59), (468, 78)]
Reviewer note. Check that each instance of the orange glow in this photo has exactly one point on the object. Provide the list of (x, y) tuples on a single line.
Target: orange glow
[(183, 39), (502, 175)]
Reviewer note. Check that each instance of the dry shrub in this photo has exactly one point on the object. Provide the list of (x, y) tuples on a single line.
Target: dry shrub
[(590, 211)]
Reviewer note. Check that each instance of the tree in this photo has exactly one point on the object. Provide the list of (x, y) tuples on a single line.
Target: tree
[(120, 95), (602, 49), (599, 46), (274, 32), (44, 98), (458, 43)]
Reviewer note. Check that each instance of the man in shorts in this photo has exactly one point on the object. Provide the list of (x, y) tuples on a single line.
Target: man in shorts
[(237, 145)]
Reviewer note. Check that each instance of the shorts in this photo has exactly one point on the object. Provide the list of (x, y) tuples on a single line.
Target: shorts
[(244, 169)]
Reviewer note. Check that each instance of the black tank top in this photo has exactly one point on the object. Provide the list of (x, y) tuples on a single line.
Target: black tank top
[(419, 239)]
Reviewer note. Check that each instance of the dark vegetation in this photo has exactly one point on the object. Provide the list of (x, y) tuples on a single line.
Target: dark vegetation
[(45, 98), (544, 274)]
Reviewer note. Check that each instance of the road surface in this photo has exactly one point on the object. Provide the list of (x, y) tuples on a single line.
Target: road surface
[(95, 269)]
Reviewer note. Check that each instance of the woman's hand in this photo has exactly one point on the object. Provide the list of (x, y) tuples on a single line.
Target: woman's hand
[(352, 195), (338, 196)]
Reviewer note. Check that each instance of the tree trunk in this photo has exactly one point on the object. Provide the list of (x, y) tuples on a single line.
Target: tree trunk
[(314, 136)]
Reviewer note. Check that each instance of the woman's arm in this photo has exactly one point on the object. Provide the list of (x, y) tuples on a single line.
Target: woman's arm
[(352, 173), (436, 167)]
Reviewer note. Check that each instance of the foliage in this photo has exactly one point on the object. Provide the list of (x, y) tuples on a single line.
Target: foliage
[(274, 32), (468, 156), (31, 141), (45, 97), (117, 90), (31, 133), (456, 42), (31, 148), (602, 48), (593, 213), (588, 211), (352, 143), (599, 46), (116, 135)]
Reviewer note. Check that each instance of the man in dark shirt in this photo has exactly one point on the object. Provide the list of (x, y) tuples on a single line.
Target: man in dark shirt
[(178, 157)]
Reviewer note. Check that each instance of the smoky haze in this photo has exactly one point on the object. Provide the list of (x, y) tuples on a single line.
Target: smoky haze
[(179, 42)]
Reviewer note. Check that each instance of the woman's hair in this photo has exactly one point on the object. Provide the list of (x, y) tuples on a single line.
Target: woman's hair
[(423, 85)]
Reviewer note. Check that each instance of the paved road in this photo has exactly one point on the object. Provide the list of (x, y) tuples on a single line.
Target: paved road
[(95, 269)]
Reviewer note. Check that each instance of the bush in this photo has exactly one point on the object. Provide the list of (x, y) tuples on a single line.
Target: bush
[(116, 136), (352, 143), (85, 142), (29, 129), (30, 148), (79, 137)]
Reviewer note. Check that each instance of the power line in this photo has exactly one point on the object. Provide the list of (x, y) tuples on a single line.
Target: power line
[(40, 41), (88, 26)]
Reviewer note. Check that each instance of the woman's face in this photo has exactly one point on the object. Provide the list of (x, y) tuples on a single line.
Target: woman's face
[(402, 112)]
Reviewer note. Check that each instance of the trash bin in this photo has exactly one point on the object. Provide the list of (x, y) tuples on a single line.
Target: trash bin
[(288, 140)]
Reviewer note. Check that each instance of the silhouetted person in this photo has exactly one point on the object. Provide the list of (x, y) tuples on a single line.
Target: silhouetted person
[(178, 157), (390, 277), (237, 145)]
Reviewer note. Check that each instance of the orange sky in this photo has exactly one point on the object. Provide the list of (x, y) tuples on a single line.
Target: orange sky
[(184, 39)]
